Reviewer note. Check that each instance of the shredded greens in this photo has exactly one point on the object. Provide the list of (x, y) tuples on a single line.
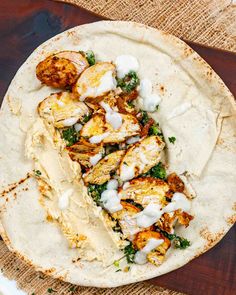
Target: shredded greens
[(129, 252), (179, 242), (90, 57), (95, 190), (129, 82), (157, 171), (70, 136), (37, 172)]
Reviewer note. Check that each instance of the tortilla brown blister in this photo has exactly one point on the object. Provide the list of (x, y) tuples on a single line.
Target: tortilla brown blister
[(209, 120)]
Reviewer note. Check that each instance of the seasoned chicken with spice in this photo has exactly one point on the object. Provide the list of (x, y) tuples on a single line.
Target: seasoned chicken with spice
[(101, 172), (141, 157), (61, 69), (62, 109), (145, 190)]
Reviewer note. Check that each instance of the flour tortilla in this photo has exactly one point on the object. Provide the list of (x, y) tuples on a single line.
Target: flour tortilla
[(205, 147)]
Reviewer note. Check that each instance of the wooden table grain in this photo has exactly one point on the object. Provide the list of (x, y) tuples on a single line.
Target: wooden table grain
[(24, 25)]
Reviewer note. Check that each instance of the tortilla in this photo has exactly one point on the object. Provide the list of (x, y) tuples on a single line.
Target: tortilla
[(197, 108)]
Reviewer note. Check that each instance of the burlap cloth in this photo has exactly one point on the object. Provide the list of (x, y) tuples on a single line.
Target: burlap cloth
[(210, 22)]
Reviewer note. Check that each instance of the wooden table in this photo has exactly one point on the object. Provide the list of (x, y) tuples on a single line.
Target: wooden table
[(24, 25)]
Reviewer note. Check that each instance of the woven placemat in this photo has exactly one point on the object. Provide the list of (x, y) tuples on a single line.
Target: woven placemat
[(209, 22), (39, 284)]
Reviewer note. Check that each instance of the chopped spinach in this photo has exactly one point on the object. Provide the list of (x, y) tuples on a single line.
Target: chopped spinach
[(179, 242), (129, 82), (129, 252), (95, 190), (90, 57), (70, 136), (172, 139), (157, 171)]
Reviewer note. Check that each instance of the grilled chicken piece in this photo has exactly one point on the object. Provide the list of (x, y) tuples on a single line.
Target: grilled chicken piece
[(101, 172), (168, 220), (157, 255), (97, 125), (145, 190), (62, 109), (126, 220), (82, 151), (96, 81), (61, 69), (141, 157), (175, 183)]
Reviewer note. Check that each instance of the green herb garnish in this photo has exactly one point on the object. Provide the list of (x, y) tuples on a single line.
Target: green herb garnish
[(37, 172), (90, 57), (70, 136), (129, 82), (179, 242), (118, 270), (86, 118), (95, 190), (172, 139), (73, 289), (154, 130), (157, 171), (144, 118), (129, 252)]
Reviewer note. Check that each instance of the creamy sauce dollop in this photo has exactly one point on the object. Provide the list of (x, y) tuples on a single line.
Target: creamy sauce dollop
[(126, 63), (98, 138), (149, 99), (112, 117)]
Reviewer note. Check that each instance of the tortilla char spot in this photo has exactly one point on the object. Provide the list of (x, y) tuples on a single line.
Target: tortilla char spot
[(211, 238)]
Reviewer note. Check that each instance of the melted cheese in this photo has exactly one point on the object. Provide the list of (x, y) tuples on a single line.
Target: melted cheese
[(125, 64), (141, 256)]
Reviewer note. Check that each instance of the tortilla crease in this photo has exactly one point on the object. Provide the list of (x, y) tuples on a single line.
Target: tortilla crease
[(197, 108)]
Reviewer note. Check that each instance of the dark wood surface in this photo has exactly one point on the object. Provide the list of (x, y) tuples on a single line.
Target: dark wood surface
[(24, 25)]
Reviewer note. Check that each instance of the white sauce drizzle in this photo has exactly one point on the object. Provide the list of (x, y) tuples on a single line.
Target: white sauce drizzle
[(125, 64), (112, 117), (63, 201), (133, 139), (112, 184), (127, 172), (141, 256), (78, 127), (126, 185), (94, 159), (69, 122), (111, 200), (98, 138), (153, 212), (149, 100)]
